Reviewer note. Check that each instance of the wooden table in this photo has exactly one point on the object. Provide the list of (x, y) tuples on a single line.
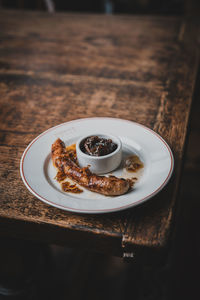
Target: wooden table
[(57, 68)]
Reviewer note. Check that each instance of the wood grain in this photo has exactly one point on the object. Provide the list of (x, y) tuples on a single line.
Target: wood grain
[(58, 68)]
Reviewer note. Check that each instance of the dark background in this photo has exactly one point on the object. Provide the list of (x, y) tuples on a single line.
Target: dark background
[(118, 6), (62, 273)]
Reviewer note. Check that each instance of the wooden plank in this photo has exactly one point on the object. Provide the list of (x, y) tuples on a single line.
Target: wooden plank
[(58, 68)]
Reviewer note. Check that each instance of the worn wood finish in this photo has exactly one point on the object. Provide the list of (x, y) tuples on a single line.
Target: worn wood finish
[(58, 68)]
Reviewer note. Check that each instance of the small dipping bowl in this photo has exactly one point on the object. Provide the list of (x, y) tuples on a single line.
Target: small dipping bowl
[(100, 164)]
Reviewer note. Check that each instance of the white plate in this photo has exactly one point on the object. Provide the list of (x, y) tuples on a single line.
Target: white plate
[(38, 172)]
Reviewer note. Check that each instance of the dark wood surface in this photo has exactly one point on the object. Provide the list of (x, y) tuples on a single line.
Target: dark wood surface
[(57, 68)]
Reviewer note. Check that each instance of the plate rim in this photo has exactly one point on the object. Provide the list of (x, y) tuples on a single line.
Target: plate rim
[(89, 211)]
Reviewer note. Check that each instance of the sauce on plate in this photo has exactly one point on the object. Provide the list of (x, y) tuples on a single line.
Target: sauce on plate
[(72, 188), (133, 163)]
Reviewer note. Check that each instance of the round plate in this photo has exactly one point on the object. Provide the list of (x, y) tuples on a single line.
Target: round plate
[(38, 173)]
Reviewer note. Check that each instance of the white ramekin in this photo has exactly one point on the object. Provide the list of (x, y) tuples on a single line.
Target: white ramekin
[(100, 164)]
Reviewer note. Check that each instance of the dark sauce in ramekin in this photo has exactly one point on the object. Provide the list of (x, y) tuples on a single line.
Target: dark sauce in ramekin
[(97, 146)]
